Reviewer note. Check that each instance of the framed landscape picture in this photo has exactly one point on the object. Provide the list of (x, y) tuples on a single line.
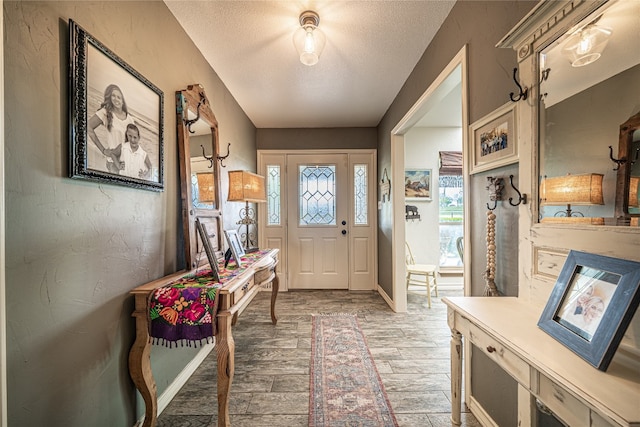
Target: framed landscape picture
[(417, 184), (493, 140), (115, 118)]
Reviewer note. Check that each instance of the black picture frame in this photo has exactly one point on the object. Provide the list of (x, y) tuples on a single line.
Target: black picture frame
[(208, 249), (592, 304), (235, 245), (104, 88)]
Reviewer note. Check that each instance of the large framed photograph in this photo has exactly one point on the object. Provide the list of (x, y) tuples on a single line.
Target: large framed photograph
[(493, 140), (115, 118), (592, 304), (417, 184), (205, 238), (234, 244)]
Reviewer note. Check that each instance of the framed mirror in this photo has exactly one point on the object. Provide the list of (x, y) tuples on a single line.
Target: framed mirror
[(199, 173), (588, 89)]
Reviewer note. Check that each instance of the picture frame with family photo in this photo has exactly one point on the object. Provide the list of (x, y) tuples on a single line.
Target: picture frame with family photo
[(592, 304), (116, 118)]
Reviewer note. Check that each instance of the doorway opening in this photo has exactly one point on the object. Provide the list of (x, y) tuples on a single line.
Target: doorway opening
[(437, 123)]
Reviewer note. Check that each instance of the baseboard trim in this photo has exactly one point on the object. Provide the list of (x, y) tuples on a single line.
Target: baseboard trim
[(386, 297), (172, 390)]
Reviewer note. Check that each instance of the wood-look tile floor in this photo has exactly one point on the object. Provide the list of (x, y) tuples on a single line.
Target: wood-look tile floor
[(271, 383)]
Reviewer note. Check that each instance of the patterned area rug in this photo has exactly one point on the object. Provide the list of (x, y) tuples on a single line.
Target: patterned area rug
[(346, 389)]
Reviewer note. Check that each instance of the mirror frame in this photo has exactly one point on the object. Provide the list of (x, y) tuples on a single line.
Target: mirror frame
[(625, 143), (193, 99)]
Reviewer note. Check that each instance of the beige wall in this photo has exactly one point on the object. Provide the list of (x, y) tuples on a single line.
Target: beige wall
[(76, 248), (315, 139)]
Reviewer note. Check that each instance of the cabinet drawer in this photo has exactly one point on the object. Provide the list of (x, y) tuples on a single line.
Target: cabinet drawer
[(507, 360), (563, 404), (239, 293)]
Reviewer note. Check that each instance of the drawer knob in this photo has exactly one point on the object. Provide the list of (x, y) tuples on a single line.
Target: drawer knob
[(491, 348)]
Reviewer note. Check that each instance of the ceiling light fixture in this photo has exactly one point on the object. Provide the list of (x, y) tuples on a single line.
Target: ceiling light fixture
[(308, 39), (586, 45)]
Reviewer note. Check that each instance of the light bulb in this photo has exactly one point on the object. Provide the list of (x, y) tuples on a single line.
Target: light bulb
[(585, 44), (309, 42), (308, 55)]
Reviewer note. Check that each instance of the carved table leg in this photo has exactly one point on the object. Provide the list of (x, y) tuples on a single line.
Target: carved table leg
[(140, 369), (456, 376), (225, 349), (275, 285)]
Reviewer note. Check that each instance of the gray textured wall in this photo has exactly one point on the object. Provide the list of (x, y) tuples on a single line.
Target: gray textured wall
[(480, 25), (506, 232), (75, 249), (318, 138)]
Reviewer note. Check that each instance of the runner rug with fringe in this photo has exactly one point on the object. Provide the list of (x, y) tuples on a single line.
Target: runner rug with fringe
[(346, 389)]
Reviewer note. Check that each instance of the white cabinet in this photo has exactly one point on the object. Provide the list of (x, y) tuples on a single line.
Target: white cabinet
[(506, 330)]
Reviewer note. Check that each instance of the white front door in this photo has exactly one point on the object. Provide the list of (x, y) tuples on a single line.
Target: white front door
[(318, 241), (309, 196)]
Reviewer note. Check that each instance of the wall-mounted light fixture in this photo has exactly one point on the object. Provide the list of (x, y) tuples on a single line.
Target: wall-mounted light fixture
[(308, 39), (586, 44), (582, 190)]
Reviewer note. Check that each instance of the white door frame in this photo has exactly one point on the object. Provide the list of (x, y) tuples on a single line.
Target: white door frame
[(3, 303), (397, 180), (373, 193)]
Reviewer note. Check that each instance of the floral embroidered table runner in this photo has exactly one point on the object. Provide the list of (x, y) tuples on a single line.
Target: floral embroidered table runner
[(185, 311)]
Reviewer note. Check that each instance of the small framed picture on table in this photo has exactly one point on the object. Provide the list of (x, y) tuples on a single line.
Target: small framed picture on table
[(206, 244), (235, 246)]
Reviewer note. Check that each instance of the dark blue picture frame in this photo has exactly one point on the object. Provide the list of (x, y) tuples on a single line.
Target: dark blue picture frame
[(597, 347)]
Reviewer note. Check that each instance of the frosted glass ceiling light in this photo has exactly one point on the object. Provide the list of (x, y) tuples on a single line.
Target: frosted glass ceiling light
[(308, 39), (586, 45)]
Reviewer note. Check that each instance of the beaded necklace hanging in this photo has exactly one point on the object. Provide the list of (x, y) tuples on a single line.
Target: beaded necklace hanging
[(495, 188)]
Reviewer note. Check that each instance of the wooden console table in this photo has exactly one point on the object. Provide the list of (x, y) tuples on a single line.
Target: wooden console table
[(505, 329), (234, 295)]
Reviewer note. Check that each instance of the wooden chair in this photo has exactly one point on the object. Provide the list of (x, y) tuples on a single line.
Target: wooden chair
[(421, 274), (460, 247)]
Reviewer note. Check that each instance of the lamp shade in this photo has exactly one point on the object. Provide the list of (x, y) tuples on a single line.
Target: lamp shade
[(206, 187), (633, 191), (585, 189), (246, 186)]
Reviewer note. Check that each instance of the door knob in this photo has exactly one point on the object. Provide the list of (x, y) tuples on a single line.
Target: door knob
[(344, 232), (344, 222)]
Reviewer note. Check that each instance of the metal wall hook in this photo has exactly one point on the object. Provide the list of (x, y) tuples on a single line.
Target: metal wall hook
[(618, 162), (188, 123), (495, 186), (524, 92), (220, 158), (522, 198), (544, 75)]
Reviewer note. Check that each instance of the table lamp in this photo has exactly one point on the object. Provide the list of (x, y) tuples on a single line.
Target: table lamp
[(246, 187)]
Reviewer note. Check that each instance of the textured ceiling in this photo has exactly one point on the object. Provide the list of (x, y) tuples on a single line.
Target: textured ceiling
[(371, 48)]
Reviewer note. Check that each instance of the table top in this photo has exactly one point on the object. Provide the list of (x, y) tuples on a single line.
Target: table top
[(514, 322)]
